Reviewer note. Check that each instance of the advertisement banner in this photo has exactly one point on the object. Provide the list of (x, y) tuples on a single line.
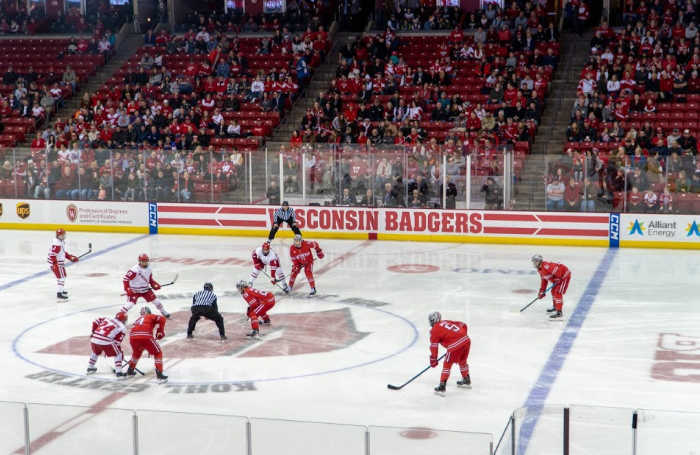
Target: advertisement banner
[(665, 231), (392, 224), (76, 215)]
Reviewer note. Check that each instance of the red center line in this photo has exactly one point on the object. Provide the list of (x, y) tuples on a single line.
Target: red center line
[(95, 409)]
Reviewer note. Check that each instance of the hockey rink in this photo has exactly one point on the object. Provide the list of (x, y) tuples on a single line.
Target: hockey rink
[(635, 343)]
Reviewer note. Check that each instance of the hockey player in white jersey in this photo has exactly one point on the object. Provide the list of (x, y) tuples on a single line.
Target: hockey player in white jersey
[(106, 338), (57, 260), (139, 283), (264, 256)]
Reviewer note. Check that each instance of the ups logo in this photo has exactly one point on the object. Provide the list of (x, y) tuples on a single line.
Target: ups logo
[(23, 210)]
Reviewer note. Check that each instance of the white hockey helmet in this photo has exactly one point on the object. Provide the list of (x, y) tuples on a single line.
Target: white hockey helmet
[(297, 240), (241, 285), (536, 261), (434, 318), (145, 310)]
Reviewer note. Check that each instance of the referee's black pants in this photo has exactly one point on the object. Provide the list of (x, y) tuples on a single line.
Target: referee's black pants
[(209, 312), (275, 228)]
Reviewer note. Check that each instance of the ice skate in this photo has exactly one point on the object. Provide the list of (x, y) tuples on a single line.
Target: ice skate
[(62, 295), (441, 388), (130, 372), (91, 370), (161, 377), (252, 334), (465, 382), (313, 291), (120, 375), (551, 310), (556, 315)]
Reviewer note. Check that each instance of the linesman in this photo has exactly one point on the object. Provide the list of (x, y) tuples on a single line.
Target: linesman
[(284, 214), (204, 305)]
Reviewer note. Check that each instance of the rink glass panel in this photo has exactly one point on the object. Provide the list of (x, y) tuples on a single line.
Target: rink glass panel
[(418, 441), (273, 436), (12, 429)]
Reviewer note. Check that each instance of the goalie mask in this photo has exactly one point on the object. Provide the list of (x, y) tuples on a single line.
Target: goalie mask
[(434, 318)]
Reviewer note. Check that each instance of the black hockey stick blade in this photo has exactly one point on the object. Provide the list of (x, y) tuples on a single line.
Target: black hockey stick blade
[(87, 252), (535, 299), (399, 387), (171, 282)]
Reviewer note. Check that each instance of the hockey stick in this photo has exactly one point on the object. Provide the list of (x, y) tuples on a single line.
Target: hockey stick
[(263, 271), (135, 369), (162, 285), (536, 299), (399, 387), (87, 252)]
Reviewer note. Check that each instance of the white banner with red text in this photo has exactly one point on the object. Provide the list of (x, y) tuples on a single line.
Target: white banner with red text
[(96, 216), (391, 224)]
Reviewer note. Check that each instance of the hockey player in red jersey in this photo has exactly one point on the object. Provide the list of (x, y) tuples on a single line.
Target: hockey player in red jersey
[(141, 339), (57, 259), (259, 303), (555, 273), (452, 335), (139, 283), (302, 257), (106, 338), (264, 256)]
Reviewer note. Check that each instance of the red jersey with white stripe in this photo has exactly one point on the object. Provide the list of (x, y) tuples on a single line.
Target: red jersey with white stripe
[(260, 260), (139, 279), (552, 272), (57, 253), (302, 255), (107, 331), (143, 326), (256, 297), (452, 335)]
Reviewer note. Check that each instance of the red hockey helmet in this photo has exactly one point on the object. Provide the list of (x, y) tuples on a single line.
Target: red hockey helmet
[(144, 259), (122, 316), (266, 247), (60, 233)]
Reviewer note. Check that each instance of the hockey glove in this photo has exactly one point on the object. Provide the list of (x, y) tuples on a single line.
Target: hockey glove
[(155, 286), (541, 295), (159, 335), (72, 258), (433, 362), (320, 254)]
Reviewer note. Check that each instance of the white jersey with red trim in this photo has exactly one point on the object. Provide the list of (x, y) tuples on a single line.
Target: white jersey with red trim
[(261, 259), (106, 331), (139, 278), (57, 252)]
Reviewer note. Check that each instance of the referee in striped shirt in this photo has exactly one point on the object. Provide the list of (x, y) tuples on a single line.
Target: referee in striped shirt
[(284, 214), (204, 305)]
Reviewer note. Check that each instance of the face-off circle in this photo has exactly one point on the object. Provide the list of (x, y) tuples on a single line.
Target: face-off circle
[(413, 268)]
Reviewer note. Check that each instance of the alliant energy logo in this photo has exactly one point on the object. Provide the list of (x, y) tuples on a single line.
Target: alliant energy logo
[(691, 230), (656, 228)]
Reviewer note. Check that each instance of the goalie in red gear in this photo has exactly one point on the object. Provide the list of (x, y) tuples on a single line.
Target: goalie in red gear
[(302, 257), (141, 339), (139, 283), (259, 303), (57, 260), (452, 335), (557, 274), (106, 338)]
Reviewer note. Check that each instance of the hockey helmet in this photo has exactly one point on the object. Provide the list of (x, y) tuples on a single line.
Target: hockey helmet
[(145, 310), (266, 247), (537, 261), (434, 318), (60, 233), (144, 259), (241, 285), (297, 240), (208, 287), (122, 316)]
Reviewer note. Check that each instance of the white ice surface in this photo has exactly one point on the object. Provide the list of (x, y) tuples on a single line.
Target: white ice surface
[(645, 293)]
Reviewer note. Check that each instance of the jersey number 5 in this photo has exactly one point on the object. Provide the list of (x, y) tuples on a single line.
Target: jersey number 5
[(449, 326)]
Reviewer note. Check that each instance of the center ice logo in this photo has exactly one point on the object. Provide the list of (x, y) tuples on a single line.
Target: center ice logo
[(692, 229), (636, 228)]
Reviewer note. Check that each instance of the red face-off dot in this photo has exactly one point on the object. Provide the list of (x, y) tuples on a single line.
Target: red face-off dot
[(418, 433)]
